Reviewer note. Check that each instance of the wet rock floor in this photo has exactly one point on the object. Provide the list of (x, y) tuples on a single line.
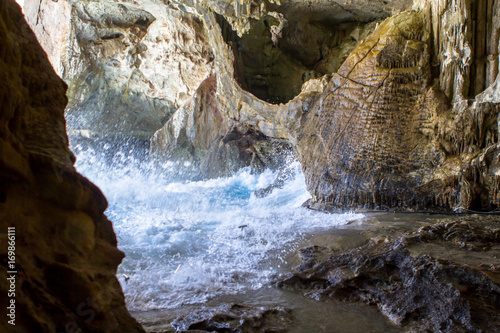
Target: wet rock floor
[(383, 273)]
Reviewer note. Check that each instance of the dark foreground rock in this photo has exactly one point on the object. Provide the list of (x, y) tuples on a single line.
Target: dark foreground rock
[(55, 241), (445, 292), (234, 318)]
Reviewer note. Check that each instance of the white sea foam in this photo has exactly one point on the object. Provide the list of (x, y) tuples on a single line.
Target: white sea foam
[(188, 241)]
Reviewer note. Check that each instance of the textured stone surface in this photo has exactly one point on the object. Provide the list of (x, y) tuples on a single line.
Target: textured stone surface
[(465, 36), (240, 13), (235, 318), (415, 290), (189, 133), (65, 253), (127, 69), (363, 143), (394, 128), (395, 114), (199, 136)]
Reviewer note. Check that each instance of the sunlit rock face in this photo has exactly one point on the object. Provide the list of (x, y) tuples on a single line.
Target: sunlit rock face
[(257, 66), (401, 124), (363, 142), (128, 66), (387, 104), (65, 248), (210, 145), (465, 38)]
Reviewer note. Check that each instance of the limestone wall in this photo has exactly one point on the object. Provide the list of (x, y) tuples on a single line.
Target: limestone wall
[(406, 109)]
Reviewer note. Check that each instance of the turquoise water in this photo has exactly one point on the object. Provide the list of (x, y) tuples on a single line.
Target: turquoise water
[(189, 241)]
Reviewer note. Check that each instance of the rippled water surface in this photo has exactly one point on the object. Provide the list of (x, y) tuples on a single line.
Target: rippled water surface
[(189, 241)]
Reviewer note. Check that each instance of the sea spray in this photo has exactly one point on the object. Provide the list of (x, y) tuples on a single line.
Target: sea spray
[(188, 241)]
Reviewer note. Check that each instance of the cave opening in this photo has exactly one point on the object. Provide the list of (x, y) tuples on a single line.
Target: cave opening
[(276, 56)]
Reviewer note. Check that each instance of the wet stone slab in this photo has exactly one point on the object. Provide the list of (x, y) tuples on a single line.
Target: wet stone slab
[(443, 276)]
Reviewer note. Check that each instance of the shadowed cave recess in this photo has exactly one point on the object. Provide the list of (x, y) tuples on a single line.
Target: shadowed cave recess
[(243, 149)]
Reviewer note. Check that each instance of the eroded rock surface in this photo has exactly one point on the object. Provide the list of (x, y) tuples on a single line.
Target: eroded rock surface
[(362, 141), (386, 107), (129, 66), (392, 127), (387, 133), (209, 145), (415, 290), (235, 318), (240, 13), (65, 248)]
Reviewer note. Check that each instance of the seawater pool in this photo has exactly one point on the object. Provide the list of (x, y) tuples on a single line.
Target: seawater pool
[(187, 242)]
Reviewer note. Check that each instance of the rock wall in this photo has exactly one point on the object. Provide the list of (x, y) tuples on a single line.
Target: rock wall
[(65, 255), (127, 69), (398, 125), (362, 141), (394, 114), (421, 145), (257, 55)]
